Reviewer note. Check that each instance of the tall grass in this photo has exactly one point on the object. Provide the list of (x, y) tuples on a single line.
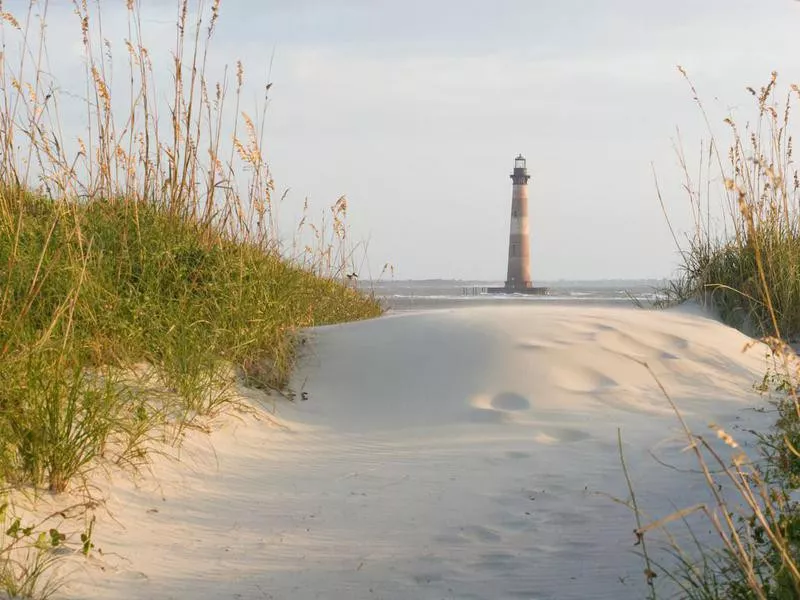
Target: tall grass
[(745, 260), (151, 241), (747, 266), (149, 238)]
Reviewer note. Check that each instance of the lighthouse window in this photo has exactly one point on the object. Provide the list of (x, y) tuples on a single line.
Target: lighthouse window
[(515, 213), (513, 249)]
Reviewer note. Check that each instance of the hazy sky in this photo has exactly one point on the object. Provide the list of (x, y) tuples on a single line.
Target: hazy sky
[(416, 109)]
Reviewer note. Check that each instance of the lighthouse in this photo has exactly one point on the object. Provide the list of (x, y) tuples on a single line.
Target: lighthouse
[(518, 276), (519, 250)]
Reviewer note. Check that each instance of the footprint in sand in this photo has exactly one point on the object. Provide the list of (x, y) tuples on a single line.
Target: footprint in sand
[(562, 434), (510, 401), (582, 379), (499, 408)]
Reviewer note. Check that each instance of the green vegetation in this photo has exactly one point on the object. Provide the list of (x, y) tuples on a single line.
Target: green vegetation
[(746, 265), (746, 261), (142, 246), (29, 551), (93, 289)]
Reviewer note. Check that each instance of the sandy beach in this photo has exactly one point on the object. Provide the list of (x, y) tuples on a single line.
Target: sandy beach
[(465, 453), (366, 300)]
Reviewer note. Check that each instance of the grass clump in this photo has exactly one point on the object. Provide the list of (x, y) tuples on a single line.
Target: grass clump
[(146, 266), (27, 551), (143, 240), (144, 246), (745, 263)]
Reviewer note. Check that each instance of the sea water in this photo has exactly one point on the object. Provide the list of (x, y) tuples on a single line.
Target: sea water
[(429, 294)]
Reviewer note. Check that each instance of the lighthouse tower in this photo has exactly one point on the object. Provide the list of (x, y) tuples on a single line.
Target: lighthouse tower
[(519, 251)]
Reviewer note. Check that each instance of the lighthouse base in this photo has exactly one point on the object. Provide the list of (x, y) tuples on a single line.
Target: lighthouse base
[(526, 291)]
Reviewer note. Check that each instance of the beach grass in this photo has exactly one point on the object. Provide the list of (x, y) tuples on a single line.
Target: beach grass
[(744, 263), (148, 239), (743, 257)]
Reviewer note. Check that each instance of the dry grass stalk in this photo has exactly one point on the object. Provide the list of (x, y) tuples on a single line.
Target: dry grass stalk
[(750, 273), (144, 240)]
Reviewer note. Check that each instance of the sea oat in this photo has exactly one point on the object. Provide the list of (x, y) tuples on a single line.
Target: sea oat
[(10, 19), (724, 436)]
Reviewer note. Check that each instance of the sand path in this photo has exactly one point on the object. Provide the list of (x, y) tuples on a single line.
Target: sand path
[(448, 454)]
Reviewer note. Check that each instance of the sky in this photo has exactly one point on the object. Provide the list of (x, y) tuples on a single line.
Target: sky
[(415, 110)]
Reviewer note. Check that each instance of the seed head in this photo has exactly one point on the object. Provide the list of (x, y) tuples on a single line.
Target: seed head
[(10, 19)]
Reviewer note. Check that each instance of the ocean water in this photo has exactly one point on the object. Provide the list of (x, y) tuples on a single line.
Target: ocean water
[(439, 293)]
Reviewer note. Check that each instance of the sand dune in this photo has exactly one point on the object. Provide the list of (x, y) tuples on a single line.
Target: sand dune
[(449, 454)]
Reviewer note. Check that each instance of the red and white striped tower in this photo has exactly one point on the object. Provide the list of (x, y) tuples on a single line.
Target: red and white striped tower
[(519, 251)]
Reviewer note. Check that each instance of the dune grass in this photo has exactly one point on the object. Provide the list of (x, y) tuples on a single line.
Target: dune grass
[(745, 260), (154, 288), (745, 263), (149, 239)]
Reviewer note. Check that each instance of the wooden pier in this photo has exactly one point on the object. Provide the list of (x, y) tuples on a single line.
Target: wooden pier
[(483, 290)]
